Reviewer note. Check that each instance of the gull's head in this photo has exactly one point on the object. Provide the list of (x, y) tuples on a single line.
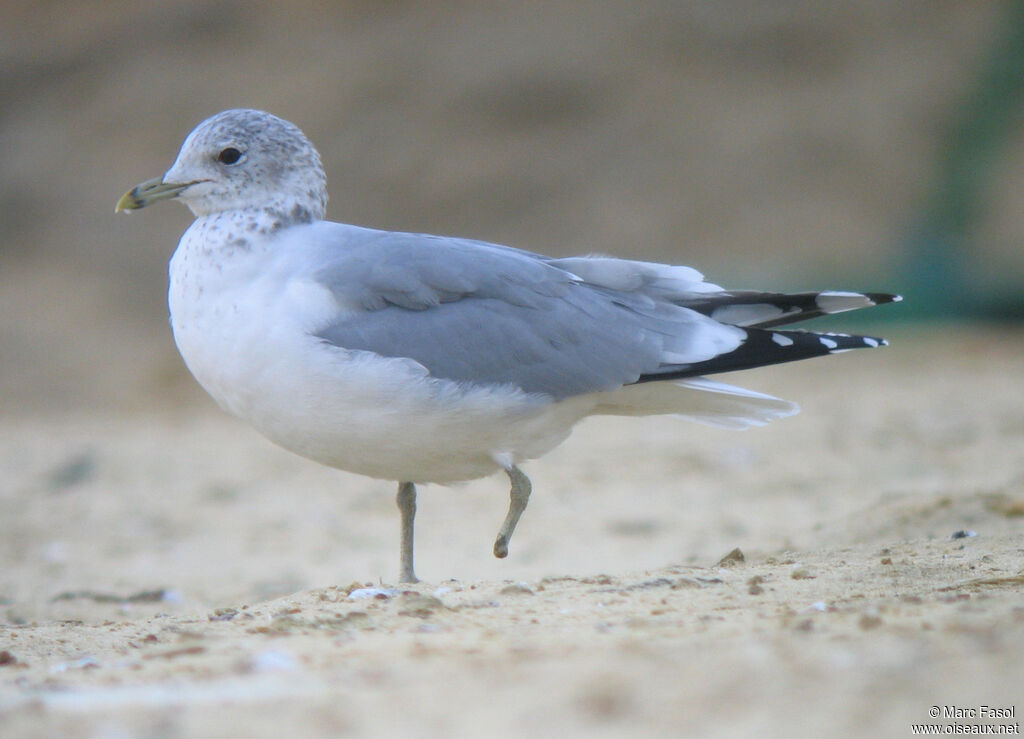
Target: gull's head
[(241, 159)]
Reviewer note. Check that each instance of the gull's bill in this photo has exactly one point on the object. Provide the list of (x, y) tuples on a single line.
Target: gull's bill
[(149, 192)]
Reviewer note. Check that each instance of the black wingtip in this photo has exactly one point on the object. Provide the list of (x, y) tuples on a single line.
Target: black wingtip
[(883, 298), (764, 347), (751, 309)]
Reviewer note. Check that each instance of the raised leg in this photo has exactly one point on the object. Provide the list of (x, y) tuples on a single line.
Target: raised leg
[(406, 500), (519, 496)]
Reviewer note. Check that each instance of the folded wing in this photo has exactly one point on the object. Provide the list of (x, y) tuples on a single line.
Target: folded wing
[(483, 314)]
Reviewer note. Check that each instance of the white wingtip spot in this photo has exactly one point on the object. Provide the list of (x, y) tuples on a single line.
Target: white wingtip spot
[(748, 315), (870, 342), (782, 340), (836, 301), (828, 343)]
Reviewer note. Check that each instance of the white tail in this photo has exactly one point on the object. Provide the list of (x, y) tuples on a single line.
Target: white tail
[(697, 399)]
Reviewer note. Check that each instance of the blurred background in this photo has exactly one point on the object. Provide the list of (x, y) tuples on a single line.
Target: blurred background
[(788, 145)]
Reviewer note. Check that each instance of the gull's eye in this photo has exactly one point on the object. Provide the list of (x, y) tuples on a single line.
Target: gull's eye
[(230, 155)]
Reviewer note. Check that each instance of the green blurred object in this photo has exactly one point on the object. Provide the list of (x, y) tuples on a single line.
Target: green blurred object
[(938, 278)]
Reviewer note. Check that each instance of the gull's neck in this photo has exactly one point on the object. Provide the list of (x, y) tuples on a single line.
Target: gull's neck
[(242, 228)]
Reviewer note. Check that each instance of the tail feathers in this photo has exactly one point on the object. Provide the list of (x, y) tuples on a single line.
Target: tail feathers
[(762, 347), (764, 310), (698, 399)]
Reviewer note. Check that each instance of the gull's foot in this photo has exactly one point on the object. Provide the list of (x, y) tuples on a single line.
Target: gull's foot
[(501, 546)]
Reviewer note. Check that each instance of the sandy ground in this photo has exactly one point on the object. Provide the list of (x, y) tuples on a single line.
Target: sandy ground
[(171, 574)]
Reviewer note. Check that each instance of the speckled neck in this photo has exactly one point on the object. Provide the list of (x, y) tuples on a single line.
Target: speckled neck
[(244, 229)]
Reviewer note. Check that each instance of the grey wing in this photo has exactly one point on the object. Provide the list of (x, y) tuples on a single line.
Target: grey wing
[(481, 340), (483, 314)]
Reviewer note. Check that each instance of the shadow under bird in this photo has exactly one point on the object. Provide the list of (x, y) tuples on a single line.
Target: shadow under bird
[(430, 359)]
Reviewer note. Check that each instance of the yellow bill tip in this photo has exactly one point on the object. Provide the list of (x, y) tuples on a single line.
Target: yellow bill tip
[(149, 192), (128, 202)]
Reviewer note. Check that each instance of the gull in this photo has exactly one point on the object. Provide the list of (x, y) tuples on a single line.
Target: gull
[(430, 359)]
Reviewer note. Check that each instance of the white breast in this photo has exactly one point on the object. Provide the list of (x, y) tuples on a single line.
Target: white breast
[(246, 327)]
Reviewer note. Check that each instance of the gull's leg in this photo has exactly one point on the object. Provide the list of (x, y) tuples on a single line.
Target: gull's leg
[(519, 496), (406, 500)]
